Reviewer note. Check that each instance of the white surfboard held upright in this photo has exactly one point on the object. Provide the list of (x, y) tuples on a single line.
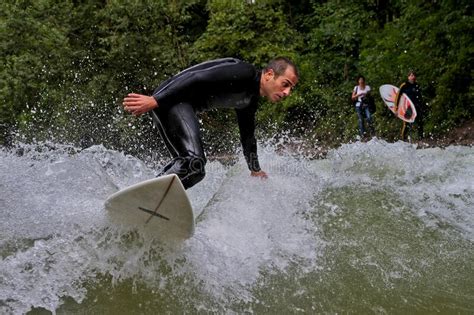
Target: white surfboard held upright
[(406, 110), (159, 204)]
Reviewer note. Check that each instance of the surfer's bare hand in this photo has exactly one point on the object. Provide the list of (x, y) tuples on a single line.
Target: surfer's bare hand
[(137, 104), (260, 174)]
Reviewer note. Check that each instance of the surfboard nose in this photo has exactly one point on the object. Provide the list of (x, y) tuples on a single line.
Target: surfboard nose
[(160, 205)]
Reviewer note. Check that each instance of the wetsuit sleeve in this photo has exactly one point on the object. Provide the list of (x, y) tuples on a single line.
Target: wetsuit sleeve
[(246, 121), (203, 77)]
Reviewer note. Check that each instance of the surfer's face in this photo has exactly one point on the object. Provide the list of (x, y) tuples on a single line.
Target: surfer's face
[(276, 88)]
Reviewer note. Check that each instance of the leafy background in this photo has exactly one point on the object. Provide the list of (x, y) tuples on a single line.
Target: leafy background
[(66, 65)]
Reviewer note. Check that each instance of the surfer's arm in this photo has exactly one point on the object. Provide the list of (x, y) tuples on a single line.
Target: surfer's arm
[(246, 121), (193, 82), (397, 97)]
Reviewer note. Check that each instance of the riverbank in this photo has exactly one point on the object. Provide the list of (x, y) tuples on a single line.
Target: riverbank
[(462, 135)]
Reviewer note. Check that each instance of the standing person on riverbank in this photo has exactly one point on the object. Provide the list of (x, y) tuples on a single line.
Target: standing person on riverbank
[(221, 83), (413, 91), (360, 96)]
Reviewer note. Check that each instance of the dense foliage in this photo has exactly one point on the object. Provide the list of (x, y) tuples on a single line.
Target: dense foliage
[(66, 65)]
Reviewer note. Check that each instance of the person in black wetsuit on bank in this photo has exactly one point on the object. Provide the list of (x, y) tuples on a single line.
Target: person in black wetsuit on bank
[(412, 89), (221, 83)]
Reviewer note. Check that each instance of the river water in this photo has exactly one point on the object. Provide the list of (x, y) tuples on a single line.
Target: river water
[(374, 228)]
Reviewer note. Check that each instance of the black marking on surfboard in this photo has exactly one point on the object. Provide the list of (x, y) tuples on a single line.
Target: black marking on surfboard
[(156, 214)]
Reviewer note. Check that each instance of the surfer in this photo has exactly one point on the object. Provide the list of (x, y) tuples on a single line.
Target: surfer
[(359, 97), (413, 91), (221, 83)]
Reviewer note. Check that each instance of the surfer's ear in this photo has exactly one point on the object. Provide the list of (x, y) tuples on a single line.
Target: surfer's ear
[(268, 74)]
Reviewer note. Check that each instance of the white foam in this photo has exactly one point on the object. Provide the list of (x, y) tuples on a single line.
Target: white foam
[(55, 234)]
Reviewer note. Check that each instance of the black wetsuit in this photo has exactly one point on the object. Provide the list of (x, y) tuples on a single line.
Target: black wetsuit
[(221, 83), (413, 91)]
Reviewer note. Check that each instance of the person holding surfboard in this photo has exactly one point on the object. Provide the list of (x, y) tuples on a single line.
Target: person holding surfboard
[(411, 88), (359, 96), (220, 83)]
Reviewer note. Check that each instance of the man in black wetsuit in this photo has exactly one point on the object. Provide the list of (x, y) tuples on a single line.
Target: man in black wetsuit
[(221, 83), (413, 91)]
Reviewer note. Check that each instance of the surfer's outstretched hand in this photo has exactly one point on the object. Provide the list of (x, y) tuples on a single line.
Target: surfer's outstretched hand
[(137, 104), (260, 174)]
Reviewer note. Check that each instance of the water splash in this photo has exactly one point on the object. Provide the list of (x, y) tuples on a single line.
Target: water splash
[(372, 217)]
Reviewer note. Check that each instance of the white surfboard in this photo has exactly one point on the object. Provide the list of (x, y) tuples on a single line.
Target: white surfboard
[(406, 110), (160, 205)]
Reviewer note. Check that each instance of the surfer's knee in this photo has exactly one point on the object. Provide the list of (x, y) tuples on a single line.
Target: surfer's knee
[(190, 169), (196, 171)]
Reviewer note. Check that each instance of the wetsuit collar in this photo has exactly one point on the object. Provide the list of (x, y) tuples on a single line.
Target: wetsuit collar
[(257, 78)]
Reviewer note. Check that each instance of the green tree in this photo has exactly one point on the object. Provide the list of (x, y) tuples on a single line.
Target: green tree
[(35, 53), (439, 47), (334, 33), (66, 64), (255, 32)]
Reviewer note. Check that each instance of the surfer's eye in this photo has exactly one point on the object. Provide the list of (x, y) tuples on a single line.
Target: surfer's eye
[(286, 84)]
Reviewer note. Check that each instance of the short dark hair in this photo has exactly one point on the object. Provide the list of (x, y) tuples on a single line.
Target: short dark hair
[(279, 66)]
